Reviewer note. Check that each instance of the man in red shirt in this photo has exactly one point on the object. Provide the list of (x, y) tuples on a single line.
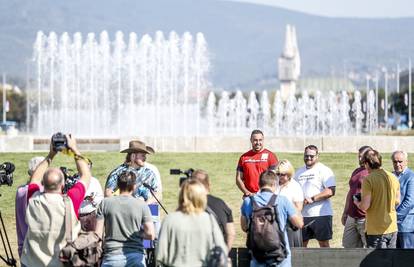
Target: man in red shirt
[(253, 163), (353, 218), (45, 213)]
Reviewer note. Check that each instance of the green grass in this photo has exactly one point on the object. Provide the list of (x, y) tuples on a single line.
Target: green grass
[(221, 167)]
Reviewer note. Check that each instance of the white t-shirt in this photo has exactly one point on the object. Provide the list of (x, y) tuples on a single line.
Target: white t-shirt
[(95, 192), (292, 191), (313, 181)]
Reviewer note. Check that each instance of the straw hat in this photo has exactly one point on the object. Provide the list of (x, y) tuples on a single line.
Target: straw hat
[(136, 146)]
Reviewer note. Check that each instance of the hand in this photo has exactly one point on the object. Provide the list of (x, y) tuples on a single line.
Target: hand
[(307, 200), (343, 219), (52, 152), (72, 144), (247, 194)]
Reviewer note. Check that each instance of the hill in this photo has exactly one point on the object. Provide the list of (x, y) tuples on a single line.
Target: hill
[(244, 39)]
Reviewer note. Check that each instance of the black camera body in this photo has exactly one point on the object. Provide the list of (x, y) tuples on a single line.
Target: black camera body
[(6, 173), (188, 173), (59, 142), (70, 180), (357, 197)]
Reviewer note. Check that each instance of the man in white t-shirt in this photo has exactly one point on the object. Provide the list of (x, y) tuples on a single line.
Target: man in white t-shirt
[(318, 184)]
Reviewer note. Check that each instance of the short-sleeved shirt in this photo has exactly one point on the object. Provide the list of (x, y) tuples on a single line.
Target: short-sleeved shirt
[(143, 175), (123, 217), (252, 164), (222, 211), (381, 216), (285, 210), (292, 191), (355, 184), (76, 194), (313, 181)]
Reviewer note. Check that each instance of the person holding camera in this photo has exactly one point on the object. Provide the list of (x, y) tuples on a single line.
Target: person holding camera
[(222, 212), (353, 219), (379, 197), (146, 179), (45, 214)]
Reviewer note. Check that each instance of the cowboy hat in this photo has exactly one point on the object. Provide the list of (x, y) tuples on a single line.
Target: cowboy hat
[(136, 146)]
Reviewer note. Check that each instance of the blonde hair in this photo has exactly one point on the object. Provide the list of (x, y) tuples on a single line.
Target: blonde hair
[(285, 166), (193, 197)]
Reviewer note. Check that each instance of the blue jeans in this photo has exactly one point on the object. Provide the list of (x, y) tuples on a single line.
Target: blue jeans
[(132, 259), (405, 240), (285, 263)]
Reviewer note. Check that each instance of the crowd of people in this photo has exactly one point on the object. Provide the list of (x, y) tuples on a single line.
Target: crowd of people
[(378, 210)]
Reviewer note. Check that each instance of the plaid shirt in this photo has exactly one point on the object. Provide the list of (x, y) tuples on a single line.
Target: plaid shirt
[(143, 174)]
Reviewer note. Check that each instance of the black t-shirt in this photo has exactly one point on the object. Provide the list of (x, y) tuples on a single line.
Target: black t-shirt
[(222, 212)]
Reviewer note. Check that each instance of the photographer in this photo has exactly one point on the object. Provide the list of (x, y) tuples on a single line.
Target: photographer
[(21, 204), (222, 212), (46, 211)]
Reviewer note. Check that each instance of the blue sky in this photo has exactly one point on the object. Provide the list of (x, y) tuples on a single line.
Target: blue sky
[(346, 8)]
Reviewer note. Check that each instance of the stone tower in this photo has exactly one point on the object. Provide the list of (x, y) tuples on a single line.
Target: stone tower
[(289, 64)]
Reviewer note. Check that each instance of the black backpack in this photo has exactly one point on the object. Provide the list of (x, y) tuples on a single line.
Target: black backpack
[(265, 239)]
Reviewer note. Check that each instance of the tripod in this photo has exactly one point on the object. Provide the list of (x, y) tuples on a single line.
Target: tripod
[(9, 260)]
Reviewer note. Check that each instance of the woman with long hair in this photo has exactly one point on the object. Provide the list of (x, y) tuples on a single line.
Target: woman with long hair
[(188, 234)]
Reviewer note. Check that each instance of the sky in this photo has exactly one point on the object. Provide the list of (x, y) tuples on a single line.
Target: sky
[(346, 8)]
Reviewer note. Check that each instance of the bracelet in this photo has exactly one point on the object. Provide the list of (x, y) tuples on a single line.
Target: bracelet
[(313, 198), (80, 157)]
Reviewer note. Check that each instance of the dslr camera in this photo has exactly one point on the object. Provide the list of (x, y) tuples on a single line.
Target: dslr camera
[(59, 142), (188, 173), (6, 173), (70, 179)]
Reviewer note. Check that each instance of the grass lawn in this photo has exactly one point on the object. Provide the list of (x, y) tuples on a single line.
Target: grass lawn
[(221, 167)]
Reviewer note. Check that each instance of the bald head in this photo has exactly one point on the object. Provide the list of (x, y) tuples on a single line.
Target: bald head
[(53, 180)]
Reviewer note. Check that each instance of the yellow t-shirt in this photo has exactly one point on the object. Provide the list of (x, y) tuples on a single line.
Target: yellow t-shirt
[(381, 217)]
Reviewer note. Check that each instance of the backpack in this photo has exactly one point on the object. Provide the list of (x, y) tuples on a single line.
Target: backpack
[(85, 250), (265, 239)]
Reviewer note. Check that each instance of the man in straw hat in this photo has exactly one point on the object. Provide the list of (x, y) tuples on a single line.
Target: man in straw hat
[(145, 177)]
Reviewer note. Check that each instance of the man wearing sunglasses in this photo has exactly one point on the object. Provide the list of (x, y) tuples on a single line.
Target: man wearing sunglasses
[(318, 185), (405, 211)]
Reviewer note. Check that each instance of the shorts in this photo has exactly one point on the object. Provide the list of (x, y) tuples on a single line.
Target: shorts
[(319, 228)]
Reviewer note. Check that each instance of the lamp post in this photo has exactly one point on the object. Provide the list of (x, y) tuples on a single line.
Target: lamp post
[(384, 69), (4, 99), (410, 122)]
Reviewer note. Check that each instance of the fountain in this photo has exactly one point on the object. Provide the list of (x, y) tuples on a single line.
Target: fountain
[(148, 87), (159, 87)]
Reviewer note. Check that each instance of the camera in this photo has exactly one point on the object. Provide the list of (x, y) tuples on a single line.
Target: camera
[(188, 173), (357, 197), (59, 142), (6, 173), (70, 180)]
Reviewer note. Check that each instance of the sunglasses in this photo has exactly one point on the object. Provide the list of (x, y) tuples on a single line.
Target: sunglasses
[(397, 161), (281, 174), (309, 156)]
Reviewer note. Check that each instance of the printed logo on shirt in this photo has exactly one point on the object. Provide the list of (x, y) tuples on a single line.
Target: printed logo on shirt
[(265, 156)]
